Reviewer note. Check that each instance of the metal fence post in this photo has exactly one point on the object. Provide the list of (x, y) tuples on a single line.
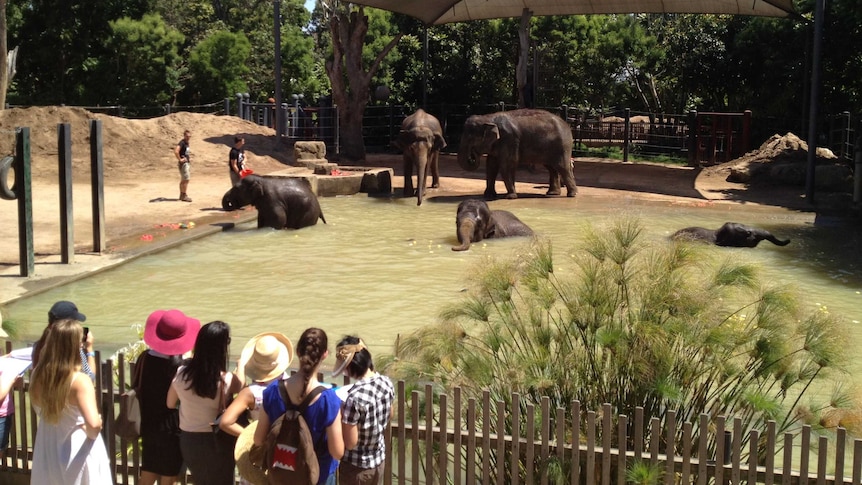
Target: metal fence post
[(692, 138), (67, 220), (227, 106), (24, 194), (627, 134), (239, 104), (97, 185)]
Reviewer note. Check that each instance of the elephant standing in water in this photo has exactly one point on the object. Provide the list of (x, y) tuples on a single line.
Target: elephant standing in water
[(730, 234), (421, 139), (476, 221), (509, 138), (281, 202)]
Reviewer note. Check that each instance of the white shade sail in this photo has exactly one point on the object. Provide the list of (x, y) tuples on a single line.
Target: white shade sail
[(445, 11)]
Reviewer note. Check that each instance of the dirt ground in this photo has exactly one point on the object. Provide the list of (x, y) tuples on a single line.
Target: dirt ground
[(141, 178)]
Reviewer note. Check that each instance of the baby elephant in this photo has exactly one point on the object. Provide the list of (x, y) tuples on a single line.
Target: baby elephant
[(730, 234), (476, 221)]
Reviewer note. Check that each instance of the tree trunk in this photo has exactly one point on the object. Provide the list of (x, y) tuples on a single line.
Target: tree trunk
[(523, 56), (350, 82), (4, 56)]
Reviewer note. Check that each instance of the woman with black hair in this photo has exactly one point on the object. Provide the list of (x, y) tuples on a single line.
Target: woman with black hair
[(204, 387), (364, 416)]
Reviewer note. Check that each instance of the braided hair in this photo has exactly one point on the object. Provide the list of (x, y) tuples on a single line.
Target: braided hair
[(311, 349)]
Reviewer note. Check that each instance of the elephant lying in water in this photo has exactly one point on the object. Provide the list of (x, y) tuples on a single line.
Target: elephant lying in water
[(281, 202), (476, 221), (730, 234)]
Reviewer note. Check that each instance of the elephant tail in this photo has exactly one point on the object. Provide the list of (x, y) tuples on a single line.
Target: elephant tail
[(322, 218)]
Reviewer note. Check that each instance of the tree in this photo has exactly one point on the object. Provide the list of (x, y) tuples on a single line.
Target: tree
[(348, 75), (147, 51), (218, 66)]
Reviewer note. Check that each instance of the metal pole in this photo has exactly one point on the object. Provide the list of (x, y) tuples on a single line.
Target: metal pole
[(67, 221), (425, 68), (279, 113), (627, 130), (97, 185), (814, 102), (26, 252)]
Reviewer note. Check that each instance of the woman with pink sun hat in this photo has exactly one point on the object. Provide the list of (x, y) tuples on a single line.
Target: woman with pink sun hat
[(169, 334)]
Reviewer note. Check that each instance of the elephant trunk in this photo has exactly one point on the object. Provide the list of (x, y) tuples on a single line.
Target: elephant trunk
[(774, 240), (421, 176), (468, 160), (466, 228)]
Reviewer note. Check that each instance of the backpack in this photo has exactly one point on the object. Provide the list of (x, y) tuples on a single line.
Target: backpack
[(289, 449)]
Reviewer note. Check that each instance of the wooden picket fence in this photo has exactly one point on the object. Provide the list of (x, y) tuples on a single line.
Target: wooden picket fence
[(438, 438)]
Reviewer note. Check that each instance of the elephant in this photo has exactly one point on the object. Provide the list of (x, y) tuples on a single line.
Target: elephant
[(476, 221), (281, 202), (421, 139), (510, 138), (730, 234)]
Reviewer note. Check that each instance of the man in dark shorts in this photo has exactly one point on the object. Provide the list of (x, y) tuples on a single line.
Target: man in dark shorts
[(236, 160), (183, 154)]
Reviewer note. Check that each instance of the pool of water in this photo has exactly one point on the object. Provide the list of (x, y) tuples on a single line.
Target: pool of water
[(383, 267)]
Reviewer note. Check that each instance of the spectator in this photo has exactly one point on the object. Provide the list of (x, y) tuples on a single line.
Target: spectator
[(202, 384), (68, 446), (60, 311), (169, 334), (7, 408), (183, 154), (323, 414), (365, 414), (263, 359)]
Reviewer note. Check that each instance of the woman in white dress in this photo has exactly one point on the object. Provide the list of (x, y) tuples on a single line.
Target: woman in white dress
[(69, 449)]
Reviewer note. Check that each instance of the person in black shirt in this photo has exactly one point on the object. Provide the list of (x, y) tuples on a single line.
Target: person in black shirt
[(183, 153), (236, 161)]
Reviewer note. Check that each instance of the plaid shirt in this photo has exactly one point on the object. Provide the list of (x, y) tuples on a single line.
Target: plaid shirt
[(368, 406)]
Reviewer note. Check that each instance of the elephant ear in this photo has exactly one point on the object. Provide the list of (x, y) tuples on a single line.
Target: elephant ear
[(439, 142), (257, 190), (491, 133)]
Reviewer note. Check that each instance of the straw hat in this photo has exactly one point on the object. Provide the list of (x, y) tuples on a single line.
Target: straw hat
[(248, 471), (171, 332), (265, 357), (344, 356)]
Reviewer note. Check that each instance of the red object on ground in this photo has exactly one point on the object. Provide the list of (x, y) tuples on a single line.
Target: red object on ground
[(244, 172)]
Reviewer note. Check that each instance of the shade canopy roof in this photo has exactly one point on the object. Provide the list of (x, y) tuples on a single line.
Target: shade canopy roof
[(445, 11)]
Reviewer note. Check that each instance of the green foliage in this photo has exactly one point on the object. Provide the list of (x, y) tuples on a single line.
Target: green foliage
[(218, 65), (148, 59), (634, 324)]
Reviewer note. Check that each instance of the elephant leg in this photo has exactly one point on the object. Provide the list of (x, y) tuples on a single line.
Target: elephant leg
[(507, 171), (568, 175), (492, 169), (434, 165), (553, 181), (408, 176)]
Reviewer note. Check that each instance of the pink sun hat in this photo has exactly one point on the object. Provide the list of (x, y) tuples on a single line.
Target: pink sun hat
[(171, 332)]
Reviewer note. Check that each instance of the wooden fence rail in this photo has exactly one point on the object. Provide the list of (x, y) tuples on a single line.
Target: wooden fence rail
[(439, 438)]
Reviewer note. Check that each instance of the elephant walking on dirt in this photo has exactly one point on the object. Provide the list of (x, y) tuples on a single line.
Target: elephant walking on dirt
[(281, 202), (730, 234), (510, 138), (476, 221), (421, 139)]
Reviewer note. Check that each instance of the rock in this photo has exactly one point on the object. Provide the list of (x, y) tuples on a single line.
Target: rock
[(309, 150)]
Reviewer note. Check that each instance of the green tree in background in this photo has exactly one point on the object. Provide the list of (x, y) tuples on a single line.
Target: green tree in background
[(218, 66), (147, 59)]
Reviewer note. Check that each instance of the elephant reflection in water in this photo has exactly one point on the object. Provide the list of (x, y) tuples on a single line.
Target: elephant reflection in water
[(476, 221), (730, 234), (281, 202)]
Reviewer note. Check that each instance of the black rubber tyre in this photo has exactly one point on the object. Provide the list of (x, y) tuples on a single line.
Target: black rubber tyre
[(6, 192)]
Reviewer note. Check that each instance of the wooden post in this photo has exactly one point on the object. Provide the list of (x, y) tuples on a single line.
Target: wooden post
[(97, 185), (627, 135), (26, 253), (67, 222)]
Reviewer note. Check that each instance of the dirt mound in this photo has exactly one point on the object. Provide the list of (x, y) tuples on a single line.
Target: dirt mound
[(783, 160), (132, 147)]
